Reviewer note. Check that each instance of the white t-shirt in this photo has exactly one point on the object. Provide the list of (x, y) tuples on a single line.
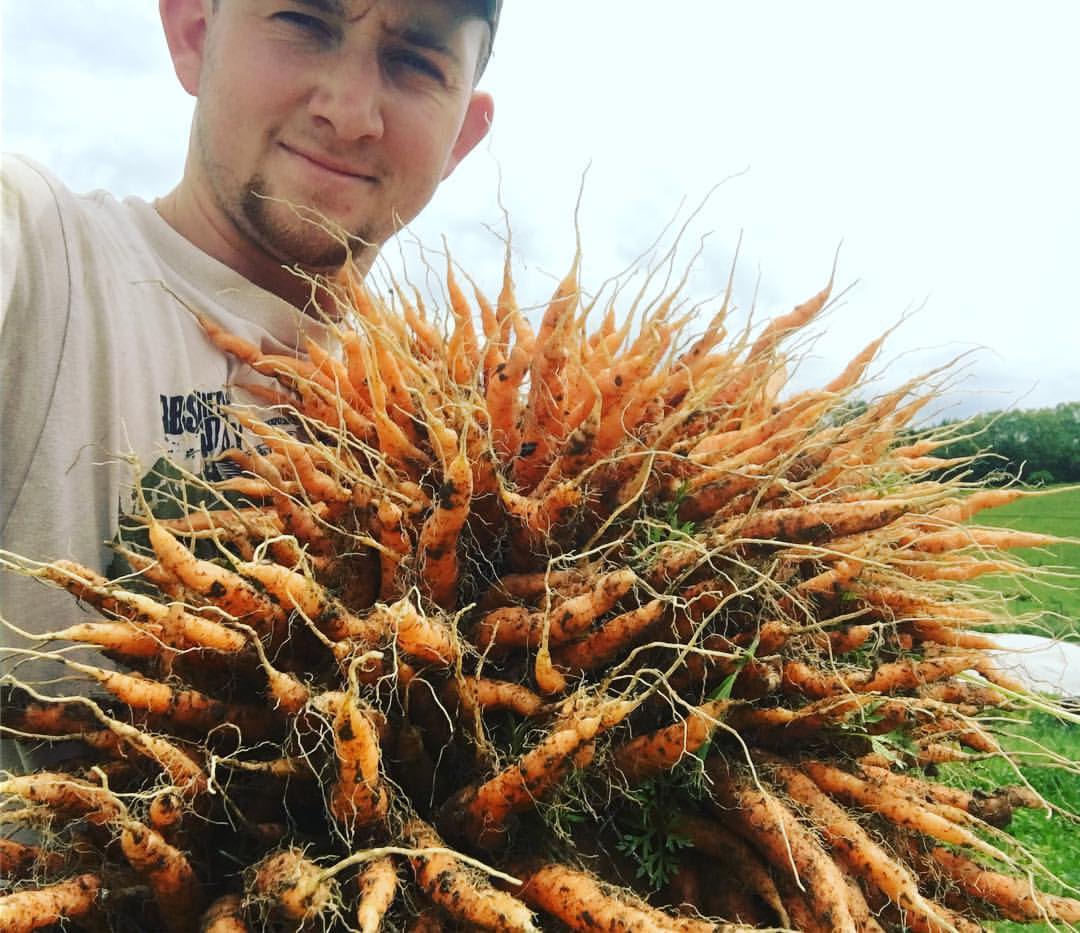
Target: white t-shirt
[(100, 358)]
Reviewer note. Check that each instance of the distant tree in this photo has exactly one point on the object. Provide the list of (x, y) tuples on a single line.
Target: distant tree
[(1038, 445)]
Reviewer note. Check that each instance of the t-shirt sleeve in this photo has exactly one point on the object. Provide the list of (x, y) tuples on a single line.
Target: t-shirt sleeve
[(36, 285)]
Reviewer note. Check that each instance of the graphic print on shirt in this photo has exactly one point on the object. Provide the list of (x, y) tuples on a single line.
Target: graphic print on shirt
[(197, 431)]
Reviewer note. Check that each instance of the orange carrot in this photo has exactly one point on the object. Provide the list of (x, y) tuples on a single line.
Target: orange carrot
[(483, 810), (28, 910), (613, 636), (378, 883), (975, 503), (996, 538), (837, 782), (460, 891), (421, 636), (711, 838), (657, 752), (193, 630), (788, 846), (123, 638), (65, 795), (1015, 898), (172, 880), (360, 796), (486, 694), (288, 886), (229, 590), (439, 535), (582, 902), (294, 591), (19, 860), (854, 844), (185, 707), (911, 672), (515, 626), (462, 350)]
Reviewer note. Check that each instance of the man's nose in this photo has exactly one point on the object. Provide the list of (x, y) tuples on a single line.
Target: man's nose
[(349, 96)]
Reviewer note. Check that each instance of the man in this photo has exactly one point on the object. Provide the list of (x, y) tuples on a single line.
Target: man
[(320, 127)]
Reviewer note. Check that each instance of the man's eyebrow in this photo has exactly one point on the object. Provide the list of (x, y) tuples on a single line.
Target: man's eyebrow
[(423, 38), (329, 7)]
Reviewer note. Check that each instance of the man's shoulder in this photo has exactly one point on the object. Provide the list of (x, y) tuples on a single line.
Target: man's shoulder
[(31, 190), (41, 211)]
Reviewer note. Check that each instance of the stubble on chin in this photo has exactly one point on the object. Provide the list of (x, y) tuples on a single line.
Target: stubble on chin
[(299, 235)]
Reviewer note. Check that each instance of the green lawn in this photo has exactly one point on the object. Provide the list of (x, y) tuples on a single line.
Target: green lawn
[(1049, 604), (1047, 751)]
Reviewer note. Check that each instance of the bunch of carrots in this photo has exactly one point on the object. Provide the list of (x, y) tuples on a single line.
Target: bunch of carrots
[(588, 626)]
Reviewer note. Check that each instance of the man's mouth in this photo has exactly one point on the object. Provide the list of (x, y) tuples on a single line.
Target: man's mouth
[(330, 164)]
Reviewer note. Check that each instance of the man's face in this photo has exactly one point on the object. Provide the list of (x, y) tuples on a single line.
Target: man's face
[(348, 110)]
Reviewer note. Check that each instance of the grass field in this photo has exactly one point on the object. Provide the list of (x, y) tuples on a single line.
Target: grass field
[(1046, 605), (1049, 604), (1053, 840)]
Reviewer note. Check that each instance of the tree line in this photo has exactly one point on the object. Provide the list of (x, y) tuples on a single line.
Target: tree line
[(1041, 446)]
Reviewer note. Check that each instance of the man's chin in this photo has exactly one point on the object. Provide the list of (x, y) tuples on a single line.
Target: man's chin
[(304, 236)]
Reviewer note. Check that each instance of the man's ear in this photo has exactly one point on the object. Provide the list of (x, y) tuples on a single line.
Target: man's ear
[(184, 22), (474, 128)]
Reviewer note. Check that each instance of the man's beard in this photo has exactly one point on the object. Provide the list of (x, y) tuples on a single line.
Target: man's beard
[(299, 235)]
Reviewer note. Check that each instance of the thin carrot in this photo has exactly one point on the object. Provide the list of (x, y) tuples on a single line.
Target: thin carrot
[(836, 782), (95, 590), (185, 707), (28, 910), (582, 902), (713, 839), (396, 546), (789, 847), (488, 695), (484, 809), (172, 880), (123, 638), (65, 795), (1015, 898), (438, 542), (542, 422), (504, 405), (422, 636), (516, 626), (818, 521), (462, 350), (600, 647), (295, 591), (996, 538), (460, 891), (230, 591), (859, 851), (912, 672), (19, 860), (657, 752), (971, 505), (378, 884), (360, 796)]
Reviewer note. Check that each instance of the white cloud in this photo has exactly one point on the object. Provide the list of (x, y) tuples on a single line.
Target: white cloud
[(936, 141)]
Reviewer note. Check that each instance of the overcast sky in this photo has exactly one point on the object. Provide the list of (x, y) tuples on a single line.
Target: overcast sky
[(935, 143)]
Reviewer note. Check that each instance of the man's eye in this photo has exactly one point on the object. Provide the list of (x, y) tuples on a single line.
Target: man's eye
[(416, 62), (309, 24)]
